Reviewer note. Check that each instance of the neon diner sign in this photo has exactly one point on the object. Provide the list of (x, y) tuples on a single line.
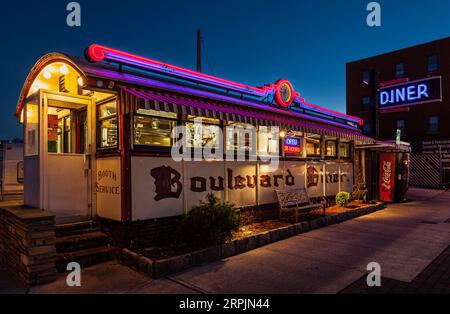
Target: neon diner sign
[(411, 93)]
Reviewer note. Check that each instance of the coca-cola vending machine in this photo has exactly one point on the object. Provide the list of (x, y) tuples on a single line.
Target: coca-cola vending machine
[(394, 176)]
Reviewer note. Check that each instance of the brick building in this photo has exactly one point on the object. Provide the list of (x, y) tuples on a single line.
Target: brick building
[(407, 90)]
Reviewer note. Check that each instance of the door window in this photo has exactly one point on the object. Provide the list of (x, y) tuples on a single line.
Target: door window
[(66, 130)]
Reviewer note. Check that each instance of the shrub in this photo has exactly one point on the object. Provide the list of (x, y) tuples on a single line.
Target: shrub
[(209, 223), (343, 198)]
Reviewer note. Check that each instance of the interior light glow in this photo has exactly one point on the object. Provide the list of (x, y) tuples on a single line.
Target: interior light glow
[(282, 134), (80, 81)]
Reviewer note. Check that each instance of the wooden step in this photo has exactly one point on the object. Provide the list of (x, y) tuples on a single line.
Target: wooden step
[(86, 257), (76, 242), (76, 228)]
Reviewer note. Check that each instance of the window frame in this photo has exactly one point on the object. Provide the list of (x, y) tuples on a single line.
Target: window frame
[(248, 152), (335, 156), (151, 148), (397, 76), (402, 130), (363, 76), (320, 148), (369, 104), (429, 131), (428, 63), (367, 125), (349, 147), (98, 122)]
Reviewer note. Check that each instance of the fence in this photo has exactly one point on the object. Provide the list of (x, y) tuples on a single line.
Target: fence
[(426, 171)]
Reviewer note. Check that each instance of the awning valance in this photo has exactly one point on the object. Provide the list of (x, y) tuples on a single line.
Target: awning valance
[(133, 99)]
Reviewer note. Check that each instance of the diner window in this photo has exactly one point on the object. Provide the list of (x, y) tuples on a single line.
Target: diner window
[(240, 137), (432, 63), (366, 102), (344, 150), (205, 132), (153, 128), (433, 124), (401, 125), (313, 148), (268, 140), (366, 77), (399, 70), (330, 149), (107, 125), (66, 130)]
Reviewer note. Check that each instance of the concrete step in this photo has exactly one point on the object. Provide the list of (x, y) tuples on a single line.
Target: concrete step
[(76, 228), (76, 242), (86, 257)]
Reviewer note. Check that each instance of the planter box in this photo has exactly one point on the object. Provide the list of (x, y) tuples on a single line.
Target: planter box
[(171, 265), (168, 266), (206, 255), (228, 249)]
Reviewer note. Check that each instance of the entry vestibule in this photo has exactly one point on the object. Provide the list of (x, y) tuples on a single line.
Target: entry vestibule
[(61, 157), (59, 139)]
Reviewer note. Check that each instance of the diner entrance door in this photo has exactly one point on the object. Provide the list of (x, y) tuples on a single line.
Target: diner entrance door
[(66, 164)]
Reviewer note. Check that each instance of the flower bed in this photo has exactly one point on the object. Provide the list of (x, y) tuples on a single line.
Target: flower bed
[(163, 261)]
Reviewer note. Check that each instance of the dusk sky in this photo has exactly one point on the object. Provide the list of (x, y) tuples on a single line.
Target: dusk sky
[(252, 42)]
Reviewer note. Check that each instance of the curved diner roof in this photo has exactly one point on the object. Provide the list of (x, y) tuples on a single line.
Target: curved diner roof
[(146, 83)]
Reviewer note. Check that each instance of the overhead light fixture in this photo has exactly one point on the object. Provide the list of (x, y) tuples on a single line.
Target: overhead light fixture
[(282, 134), (47, 74), (64, 69)]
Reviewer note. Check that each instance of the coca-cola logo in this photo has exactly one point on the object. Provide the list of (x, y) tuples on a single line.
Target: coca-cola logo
[(386, 185)]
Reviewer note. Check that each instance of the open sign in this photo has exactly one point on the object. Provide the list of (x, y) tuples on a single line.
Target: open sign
[(292, 145)]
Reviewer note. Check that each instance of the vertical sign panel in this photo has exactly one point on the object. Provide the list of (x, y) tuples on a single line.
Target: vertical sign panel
[(201, 178), (241, 183), (387, 177), (269, 182), (157, 188), (315, 179), (295, 172), (346, 177), (108, 188), (332, 178)]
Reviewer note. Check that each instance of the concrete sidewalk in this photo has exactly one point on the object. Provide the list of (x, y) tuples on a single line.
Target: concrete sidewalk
[(329, 259), (404, 239)]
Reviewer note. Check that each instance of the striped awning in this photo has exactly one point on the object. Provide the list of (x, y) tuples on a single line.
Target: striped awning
[(133, 99)]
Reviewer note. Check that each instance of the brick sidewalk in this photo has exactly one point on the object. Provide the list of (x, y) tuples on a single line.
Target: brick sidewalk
[(435, 279)]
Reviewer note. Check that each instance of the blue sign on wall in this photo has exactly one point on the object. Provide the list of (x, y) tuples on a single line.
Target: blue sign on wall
[(411, 93)]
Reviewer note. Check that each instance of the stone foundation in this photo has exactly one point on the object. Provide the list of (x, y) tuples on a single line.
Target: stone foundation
[(27, 243), (140, 234)]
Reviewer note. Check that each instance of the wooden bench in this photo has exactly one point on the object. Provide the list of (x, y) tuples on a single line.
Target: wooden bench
[(297, 201)]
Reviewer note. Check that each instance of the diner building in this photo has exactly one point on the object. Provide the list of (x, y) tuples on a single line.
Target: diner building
[(98, 138)]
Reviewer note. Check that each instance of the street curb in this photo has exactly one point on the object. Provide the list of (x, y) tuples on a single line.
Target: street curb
[(168, 266)]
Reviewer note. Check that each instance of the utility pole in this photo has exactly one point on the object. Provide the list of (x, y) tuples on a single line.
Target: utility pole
[(376, 133), (375, 104), (199, 51)]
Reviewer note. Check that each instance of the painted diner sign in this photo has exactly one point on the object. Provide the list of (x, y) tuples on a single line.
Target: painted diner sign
[(410, 93), (164, 188)]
